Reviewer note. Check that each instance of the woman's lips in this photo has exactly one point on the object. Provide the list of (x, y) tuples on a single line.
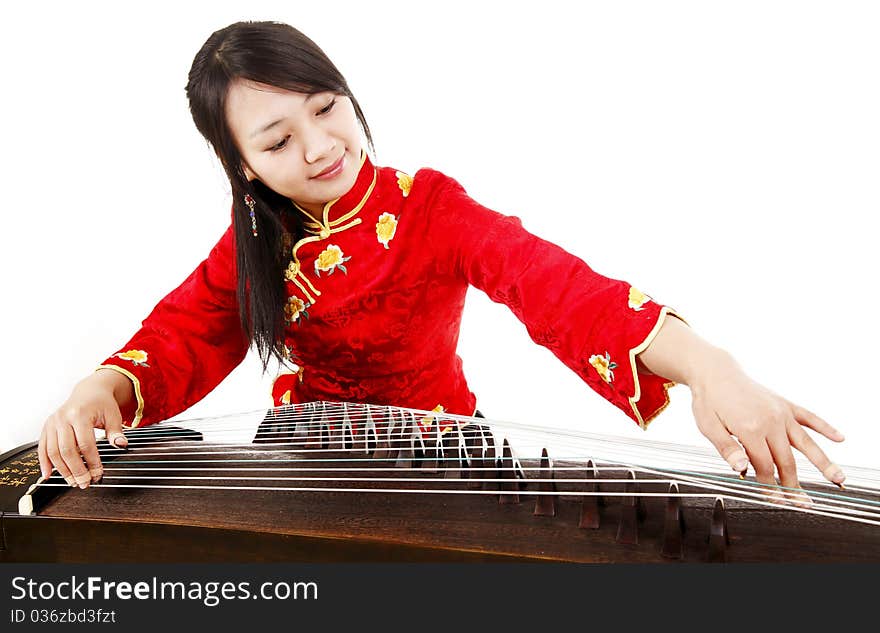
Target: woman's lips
[(334, 170)]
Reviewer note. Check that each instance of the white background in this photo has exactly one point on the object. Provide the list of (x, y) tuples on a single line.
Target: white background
[(722, 157)]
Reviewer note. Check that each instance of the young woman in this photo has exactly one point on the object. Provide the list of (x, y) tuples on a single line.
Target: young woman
[(356, 274)]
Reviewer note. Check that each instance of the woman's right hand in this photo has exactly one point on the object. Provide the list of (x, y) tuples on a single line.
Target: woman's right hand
[(68, 435)]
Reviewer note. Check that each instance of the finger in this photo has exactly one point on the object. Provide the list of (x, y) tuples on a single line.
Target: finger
[(45, 462), (712, 427), (113, 427), (54, 453), (802, 441), (783, 457), (70, 453), (761, 458), (85, 440), (813, 421)]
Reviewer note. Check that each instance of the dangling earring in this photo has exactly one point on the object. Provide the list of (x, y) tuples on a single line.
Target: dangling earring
[(250, 203)]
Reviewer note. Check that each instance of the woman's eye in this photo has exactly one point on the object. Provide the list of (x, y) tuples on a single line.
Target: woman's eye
[(279, 145)]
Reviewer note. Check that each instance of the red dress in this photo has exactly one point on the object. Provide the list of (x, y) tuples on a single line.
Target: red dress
[(376, 294)]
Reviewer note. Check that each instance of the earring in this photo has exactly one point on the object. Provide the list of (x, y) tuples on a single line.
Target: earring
[(250, 203)]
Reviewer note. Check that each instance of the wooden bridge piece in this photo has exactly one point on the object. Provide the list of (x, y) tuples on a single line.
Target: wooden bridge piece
[(475, 446), (452, 455), (590, 504), (509, 485), (407, 442), (545, 503), (673, 526), (628, 527), (719, 535)]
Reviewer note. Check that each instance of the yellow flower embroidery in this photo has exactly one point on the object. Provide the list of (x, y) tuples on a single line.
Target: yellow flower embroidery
[(293, 308), (330, 259), (637, 299), (386, 227), (404, 181), (285, 399), (603, 366), (426, 421), (136, 356)]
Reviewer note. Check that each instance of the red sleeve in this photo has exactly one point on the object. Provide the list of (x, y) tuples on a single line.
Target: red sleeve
[(189, 343), (594, 324)]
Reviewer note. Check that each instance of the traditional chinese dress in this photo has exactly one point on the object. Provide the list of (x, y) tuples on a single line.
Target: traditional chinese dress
[(376, 292)]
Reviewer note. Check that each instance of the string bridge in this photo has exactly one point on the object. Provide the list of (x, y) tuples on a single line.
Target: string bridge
[(453, 486)]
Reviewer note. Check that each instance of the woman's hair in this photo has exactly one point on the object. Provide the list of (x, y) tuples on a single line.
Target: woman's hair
[(279, 55)]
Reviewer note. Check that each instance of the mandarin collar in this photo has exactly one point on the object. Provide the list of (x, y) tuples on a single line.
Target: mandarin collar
[(348, 204)]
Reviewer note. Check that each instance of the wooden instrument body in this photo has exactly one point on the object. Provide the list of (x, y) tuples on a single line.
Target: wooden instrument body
[(142, 524)]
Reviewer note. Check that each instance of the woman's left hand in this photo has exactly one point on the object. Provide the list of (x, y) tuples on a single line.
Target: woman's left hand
[(765, 426)]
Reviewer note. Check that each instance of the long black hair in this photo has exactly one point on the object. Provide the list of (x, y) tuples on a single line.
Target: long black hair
[(279, 55)]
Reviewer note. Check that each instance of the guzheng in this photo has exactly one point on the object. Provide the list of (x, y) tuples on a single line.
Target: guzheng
[(327, 481)]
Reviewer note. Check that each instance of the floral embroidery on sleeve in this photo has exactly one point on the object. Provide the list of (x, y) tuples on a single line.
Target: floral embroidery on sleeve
[(294, 308), (136, 356), (386, 227), (637, 298), (330, 259), (285, 397), (404, 181), (603, 366)]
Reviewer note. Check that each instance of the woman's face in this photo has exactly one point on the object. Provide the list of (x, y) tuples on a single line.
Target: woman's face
[(287, 139)]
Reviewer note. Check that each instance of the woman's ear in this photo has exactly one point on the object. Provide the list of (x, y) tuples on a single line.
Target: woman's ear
[(247, 172)]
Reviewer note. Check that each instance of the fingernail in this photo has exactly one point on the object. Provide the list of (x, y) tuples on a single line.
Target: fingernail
[(119, 441), (70, 482), (834, 474), (738, 460)]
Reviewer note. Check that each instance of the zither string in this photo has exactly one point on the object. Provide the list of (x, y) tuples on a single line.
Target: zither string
[(685, 456), (330, 414), (376, 420)]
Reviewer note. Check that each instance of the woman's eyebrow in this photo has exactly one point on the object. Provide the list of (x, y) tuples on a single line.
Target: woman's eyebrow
[(274, 123), (266, 128)]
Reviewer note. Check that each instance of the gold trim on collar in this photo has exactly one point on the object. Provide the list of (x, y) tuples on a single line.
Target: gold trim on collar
[(324, 230), (320, 228)]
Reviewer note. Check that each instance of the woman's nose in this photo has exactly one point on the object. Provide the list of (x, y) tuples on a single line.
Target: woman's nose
[(318, 145)]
